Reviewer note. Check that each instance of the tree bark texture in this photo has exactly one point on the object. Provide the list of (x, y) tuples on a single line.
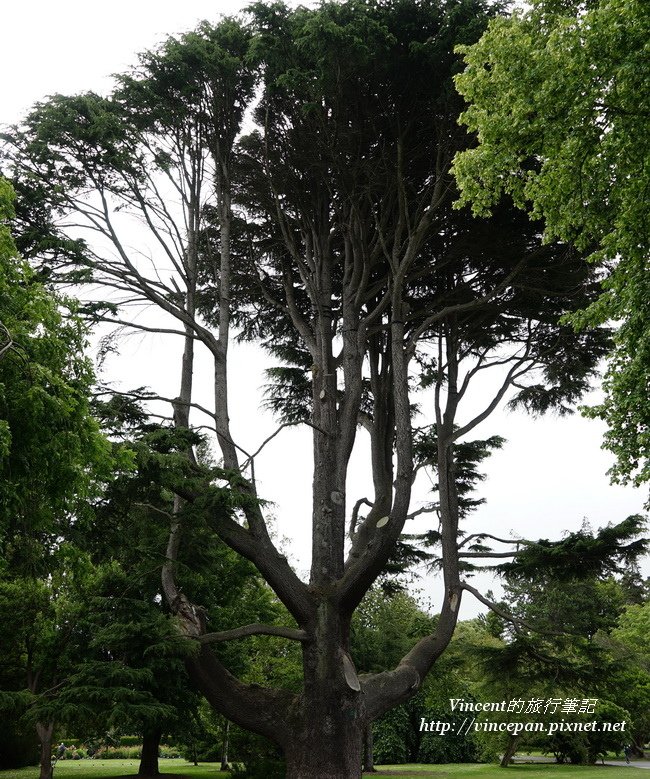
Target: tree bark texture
[(368, 750), (321, 730), (45, 732), (150, 749), (328, 719)]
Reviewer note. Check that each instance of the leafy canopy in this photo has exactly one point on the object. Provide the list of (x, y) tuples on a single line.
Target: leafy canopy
[(52, 455), (559, 97)]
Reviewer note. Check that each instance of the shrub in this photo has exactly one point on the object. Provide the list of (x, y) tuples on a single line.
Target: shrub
[(203, 751), (263, 768), (120, 753), (169, 752), (450, 748), (392, 735)]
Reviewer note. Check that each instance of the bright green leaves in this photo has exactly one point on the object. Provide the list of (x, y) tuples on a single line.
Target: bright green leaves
[(51, 451), (634, 628), (559, 118), (7, 246), (52, 461), (559, 99)]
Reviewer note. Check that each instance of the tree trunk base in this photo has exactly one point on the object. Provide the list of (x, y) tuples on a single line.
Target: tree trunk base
[(511, 748), (45, 734), (149, 759), (310, 764)]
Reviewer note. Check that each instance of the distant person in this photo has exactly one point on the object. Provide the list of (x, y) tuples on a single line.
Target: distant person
[(60, 750), (628, 752)]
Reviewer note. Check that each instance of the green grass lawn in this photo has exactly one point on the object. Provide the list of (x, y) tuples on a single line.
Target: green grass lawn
[(539, 771), (101, 769)]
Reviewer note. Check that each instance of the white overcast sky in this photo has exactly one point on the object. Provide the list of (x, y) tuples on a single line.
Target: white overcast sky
[(551, 473)]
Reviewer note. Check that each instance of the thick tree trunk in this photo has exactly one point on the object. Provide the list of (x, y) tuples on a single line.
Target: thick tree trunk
[(150, 748), (327, 723), (368, 750), (45, 731), (328, 749)]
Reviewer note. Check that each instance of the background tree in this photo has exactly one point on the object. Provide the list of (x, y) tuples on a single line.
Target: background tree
[(558, 97), (53, 460), (550, 641), (628, 683), (133, 678)]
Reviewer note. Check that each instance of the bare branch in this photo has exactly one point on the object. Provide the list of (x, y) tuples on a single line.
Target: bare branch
[(255, 629), (152, 396), (512, 374), (462, 307), (168, 514), (145, 328), (481, 536), (9, 344), (275, 433), (422, 510), (514, 621)]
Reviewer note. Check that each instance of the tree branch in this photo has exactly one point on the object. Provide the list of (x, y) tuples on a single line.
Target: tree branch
[(494, 538), (255, 629), (516, 622)]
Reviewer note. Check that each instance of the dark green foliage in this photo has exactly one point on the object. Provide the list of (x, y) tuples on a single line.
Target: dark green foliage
[(133, 676), (260, 768), (397, 735), (394, 736), (130, 741), (468, 456), (358, 132), (562, 645), (450, 679), (587, 747), (18, 746), (450, 748), (384, 627), (581, 554), (203, 750), (132, 527)]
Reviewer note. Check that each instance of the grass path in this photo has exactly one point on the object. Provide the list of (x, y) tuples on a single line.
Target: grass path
[(180, 769)]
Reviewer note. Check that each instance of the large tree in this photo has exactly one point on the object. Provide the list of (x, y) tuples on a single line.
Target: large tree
[(52, 462), (559, 101), (327, 234)]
